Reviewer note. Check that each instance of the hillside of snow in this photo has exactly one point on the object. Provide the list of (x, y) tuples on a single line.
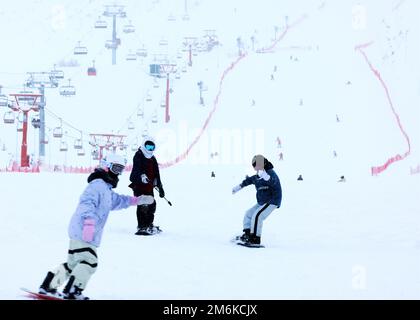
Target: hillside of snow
[(330, 87)]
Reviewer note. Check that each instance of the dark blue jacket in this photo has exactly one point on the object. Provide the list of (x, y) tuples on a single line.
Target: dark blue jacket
[(267, 191)]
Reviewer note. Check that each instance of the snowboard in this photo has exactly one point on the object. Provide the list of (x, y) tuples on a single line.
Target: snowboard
[(39, 296), (250, 246)]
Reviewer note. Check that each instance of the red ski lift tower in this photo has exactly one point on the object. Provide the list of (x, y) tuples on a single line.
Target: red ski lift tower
[(190, 43), (25, 102), (114, 11), (106, 141), (168, 69)]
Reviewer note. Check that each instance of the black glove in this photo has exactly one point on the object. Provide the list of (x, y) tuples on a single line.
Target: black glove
[(161, 192)]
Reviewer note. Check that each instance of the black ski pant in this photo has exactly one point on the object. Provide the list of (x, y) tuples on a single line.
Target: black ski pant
[(146, 215)]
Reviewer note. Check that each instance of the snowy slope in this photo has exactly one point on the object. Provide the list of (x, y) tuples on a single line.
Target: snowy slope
[(357, 240)]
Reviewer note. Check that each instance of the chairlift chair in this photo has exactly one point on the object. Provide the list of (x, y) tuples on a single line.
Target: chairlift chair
[(68, 91), (131, 125), (57, 74), (101, 24), (163, 103), (80, 50), (154, 119), (142, 52), (78, 144), (171, 17), (131, 57), (36, 122), (122, 146), (58, 132), (134, 147), (140, 112), (3, 101), (163, 42), (129, 28), (81, 152), (149, 98), (9, 117), (20, 127), (63, 146)]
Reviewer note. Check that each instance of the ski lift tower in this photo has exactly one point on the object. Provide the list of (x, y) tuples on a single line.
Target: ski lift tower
[(190, 43), (168, 69), (25, 102), (185, 17), (42, 80), (106, 141), (115, 11)]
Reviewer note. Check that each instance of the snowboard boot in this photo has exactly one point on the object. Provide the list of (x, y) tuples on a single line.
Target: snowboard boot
[(75, 294), (245, 236), (143, 231), (46, 289), (152, 229), (72, 292), (253, 241), (148, 231)]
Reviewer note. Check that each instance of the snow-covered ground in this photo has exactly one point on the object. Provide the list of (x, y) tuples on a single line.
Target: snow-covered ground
[(359, 239)]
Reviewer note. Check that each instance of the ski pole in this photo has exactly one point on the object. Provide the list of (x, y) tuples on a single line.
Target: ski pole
[(157, 189), (164, 197)]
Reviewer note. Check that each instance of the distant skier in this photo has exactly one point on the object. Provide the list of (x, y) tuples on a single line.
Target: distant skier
[(86, 227), (269, 196), (145, 177), (278, 142)]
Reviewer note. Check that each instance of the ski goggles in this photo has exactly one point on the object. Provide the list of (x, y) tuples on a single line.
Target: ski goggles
[(116, 168), (149, 146)]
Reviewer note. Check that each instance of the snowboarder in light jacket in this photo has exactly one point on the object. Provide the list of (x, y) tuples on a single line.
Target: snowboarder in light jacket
[(86, 228), (269, 195)]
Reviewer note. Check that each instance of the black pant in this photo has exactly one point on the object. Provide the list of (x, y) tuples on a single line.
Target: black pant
[(146, 215)]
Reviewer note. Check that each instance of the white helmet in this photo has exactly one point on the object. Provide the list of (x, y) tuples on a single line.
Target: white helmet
[(114, 162)]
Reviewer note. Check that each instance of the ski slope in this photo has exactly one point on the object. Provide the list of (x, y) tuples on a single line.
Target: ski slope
[(354, 240)]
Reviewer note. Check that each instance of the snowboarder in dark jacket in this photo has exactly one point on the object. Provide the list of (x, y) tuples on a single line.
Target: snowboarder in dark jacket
[(144, 178), (269, 195)]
